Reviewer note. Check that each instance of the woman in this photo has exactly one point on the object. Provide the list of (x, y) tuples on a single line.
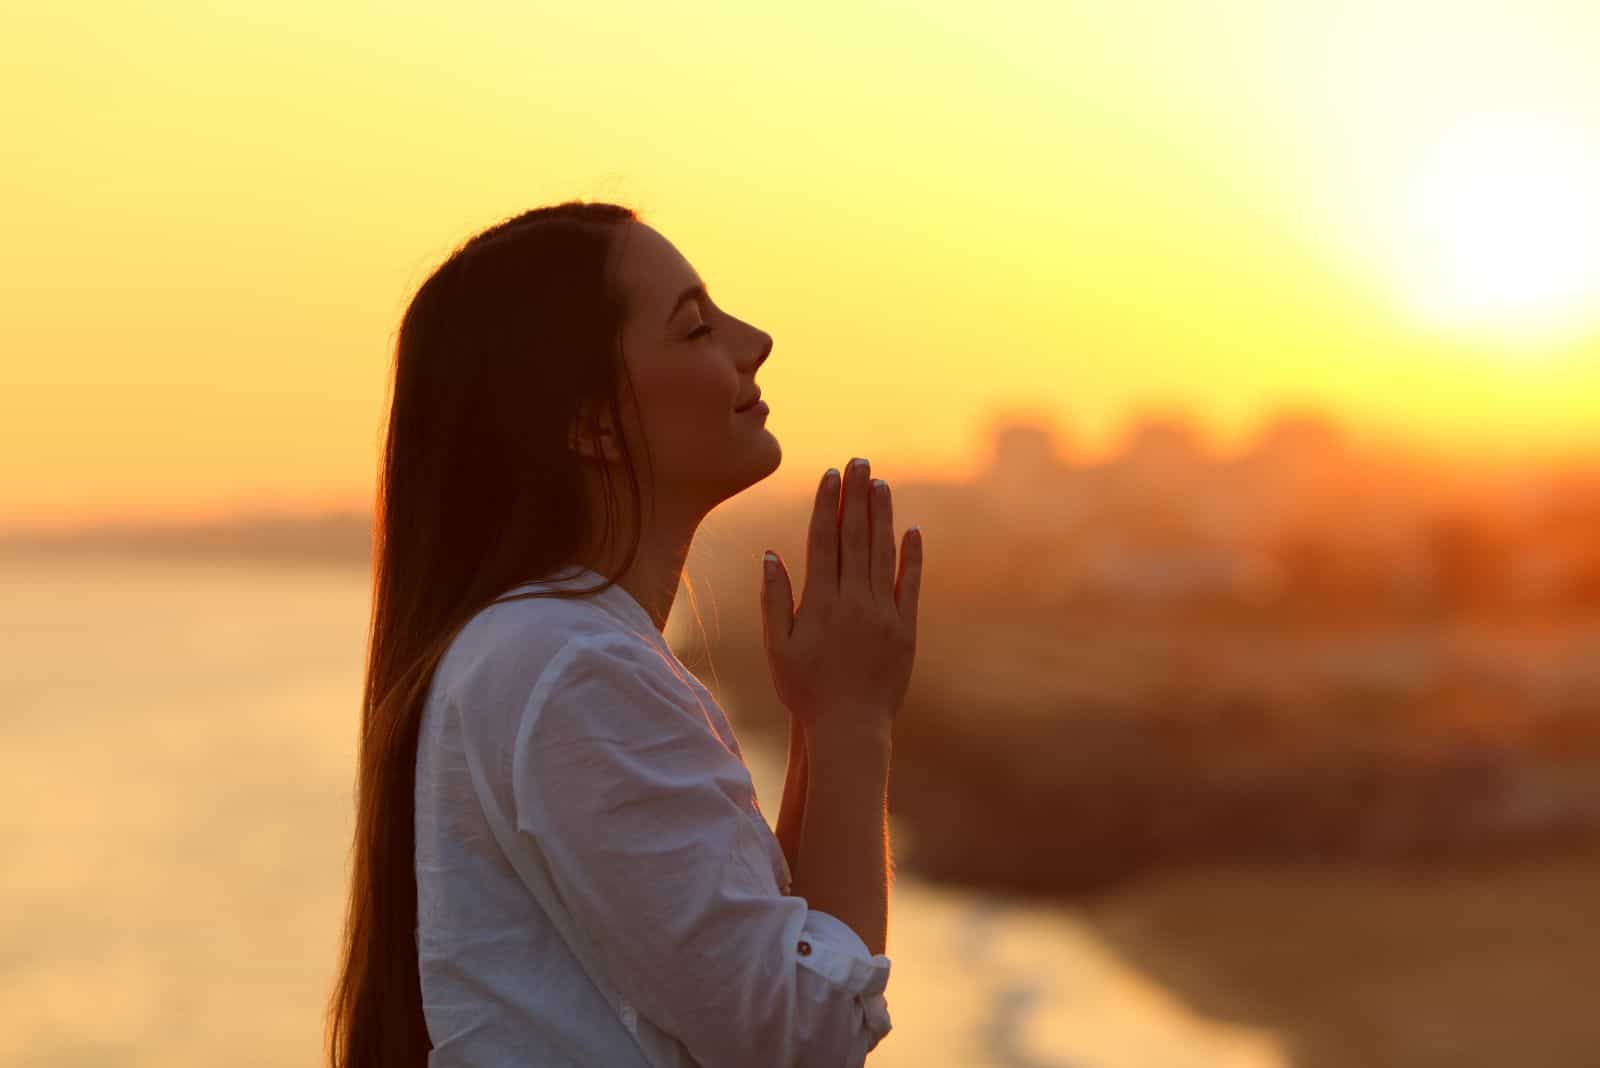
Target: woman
[(559, 858)]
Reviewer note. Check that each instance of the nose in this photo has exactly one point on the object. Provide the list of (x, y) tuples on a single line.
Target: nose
[(765, 350)]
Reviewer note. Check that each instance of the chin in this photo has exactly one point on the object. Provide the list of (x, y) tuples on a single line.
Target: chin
[(772, 453), (760, 459)]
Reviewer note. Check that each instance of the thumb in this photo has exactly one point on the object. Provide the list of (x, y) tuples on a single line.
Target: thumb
[(777, 601)]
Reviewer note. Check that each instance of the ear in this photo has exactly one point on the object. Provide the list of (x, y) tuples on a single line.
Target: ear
[(580, 437)]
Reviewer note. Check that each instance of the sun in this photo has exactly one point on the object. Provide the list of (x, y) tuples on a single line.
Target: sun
[(1497, 229)]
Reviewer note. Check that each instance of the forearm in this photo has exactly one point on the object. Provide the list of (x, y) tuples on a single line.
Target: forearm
[(844, 839), (791, 814)]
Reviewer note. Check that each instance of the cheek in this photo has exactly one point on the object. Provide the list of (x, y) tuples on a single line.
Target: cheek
[(697, 392), (695, 409)]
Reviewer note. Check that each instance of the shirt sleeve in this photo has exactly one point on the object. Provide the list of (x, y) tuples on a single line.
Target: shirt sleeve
[(636, 804)]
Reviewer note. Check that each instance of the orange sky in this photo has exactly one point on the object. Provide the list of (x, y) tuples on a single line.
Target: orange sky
[(214, 221)]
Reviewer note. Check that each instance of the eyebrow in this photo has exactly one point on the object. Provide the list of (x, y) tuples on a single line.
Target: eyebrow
[(686, 295)]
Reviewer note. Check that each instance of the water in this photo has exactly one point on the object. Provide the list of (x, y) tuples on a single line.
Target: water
[(177, 772)]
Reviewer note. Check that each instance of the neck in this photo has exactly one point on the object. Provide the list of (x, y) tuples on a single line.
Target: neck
[(657, 568), (654, 575)]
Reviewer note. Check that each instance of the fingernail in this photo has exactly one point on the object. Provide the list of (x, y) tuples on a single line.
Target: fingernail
[(770, 564), (830, 478)]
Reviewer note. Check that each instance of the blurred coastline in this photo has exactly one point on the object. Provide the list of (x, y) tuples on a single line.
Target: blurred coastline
[(1172, 655)]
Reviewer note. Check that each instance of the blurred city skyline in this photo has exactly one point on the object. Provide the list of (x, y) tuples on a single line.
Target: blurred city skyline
[(1298, 510)]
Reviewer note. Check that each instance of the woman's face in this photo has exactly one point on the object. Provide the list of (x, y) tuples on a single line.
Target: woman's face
[(692, 364)]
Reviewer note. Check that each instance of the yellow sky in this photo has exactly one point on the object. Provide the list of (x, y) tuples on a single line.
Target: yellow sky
[(213, 220)]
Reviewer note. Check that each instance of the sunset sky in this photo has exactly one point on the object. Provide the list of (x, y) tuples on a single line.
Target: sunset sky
[(215, 215)]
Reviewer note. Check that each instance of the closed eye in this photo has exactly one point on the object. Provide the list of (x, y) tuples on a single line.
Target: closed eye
[(696, 331)]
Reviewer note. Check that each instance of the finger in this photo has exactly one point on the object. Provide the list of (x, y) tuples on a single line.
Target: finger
[(854, 524), (777, 600), (822, 541), (882, 512), (908, 588)]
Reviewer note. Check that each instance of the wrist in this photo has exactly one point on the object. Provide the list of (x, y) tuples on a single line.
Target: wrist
[(852, 742)]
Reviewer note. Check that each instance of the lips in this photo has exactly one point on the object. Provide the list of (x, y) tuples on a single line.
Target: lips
[(749, 402)]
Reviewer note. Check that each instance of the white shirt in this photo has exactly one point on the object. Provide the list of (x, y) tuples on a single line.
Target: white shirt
[(596, 883)]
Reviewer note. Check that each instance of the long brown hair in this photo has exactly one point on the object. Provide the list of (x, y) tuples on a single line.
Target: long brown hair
[(479, 492)]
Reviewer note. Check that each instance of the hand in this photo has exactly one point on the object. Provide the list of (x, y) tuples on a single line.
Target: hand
[(843, 663)]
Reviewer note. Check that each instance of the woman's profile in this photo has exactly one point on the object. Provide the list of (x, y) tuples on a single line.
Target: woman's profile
[(558, 855)]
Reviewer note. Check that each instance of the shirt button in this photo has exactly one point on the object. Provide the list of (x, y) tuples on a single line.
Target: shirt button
[(804, 947)]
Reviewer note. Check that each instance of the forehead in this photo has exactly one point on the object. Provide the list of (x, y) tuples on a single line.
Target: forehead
[(651, 269)]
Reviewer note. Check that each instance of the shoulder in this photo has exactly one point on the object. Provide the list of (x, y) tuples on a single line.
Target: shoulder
[(511, 647), (612, 715), (611, 682)]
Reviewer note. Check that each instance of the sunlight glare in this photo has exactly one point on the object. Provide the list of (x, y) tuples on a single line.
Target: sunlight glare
[(1499, 230)]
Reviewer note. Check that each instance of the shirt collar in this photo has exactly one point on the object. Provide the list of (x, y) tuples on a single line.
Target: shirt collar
[(615, 600)]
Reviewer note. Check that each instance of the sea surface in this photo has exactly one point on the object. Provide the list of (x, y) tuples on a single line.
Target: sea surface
[(177, 767)]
